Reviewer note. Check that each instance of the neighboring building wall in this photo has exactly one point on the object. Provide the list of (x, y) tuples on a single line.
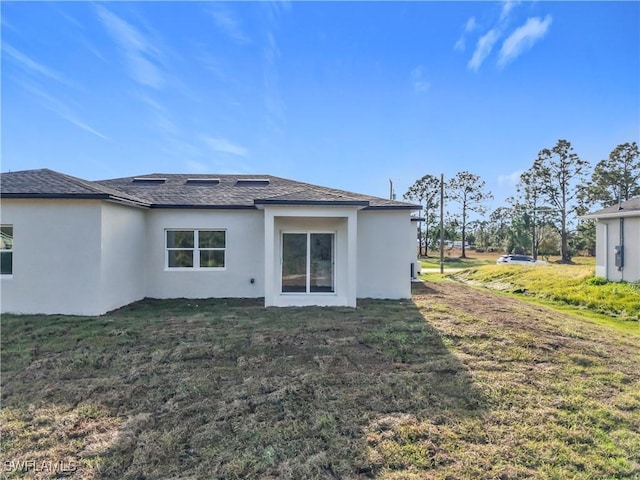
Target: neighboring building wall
[(244, 254), (123, 255), (602, 249), (607, 237), (384, 258), (56, 257)]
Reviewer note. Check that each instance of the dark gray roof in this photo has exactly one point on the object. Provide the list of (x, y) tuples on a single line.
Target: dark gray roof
[(629, 208), (188, 190), (45, 183)]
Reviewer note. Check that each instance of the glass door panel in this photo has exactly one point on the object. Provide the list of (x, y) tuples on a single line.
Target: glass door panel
[(294, 262), (321, 263)]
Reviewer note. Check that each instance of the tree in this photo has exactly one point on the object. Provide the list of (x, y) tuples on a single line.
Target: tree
[(562, 174), (529, 205), (469, 191), (426, 191), (480, 232), (616, 178), (499, 226)]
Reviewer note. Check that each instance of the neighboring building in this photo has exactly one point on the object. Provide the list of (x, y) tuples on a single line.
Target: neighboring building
[(71, 246), (618, 241)]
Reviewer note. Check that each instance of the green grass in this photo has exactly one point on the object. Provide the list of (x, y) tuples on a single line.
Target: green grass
[(392, 389), (571, 285)]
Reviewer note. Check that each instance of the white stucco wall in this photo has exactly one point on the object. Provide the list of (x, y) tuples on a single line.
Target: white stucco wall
[(123, 250), (244, 255), (602, 248), (56, 257), (607, 237), (337, 226), (87, 257), (384, 257)]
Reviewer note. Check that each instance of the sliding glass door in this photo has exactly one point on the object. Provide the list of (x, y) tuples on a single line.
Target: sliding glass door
[(308, 262)]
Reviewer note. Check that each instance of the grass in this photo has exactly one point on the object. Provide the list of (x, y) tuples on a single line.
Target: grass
[(393, 389), (572, 285), (477, 259)]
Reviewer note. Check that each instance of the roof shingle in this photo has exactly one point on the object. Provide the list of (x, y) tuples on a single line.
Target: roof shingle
[(181, 191)]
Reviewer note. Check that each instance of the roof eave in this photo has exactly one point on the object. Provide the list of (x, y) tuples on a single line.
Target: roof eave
[(75, 196), (393, 207), (313, 203), (618, 214), (202, 207)]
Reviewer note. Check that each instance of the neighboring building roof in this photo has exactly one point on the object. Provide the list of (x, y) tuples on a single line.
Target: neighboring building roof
[(45, 183), (188, 191), (630, 208)]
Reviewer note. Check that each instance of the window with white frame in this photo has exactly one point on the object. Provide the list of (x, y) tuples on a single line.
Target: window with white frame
[(197, 249), (6, 249)]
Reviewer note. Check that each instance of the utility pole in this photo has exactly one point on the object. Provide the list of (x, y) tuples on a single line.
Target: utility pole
[(441, 223)]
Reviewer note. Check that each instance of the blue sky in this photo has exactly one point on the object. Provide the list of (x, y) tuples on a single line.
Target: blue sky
[(341, 94)]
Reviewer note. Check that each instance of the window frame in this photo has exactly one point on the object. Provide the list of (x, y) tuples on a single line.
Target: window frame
[(196, 249), (8, 250)]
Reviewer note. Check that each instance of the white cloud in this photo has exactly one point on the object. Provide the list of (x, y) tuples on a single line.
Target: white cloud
[(507, 6), (273, 102), (223, 145), (523, 38), (196, 167), (420, 84), (63, 110), (228, 24), (32, 67), (483, 49), (138, 50), (469, 27), (510, 179)]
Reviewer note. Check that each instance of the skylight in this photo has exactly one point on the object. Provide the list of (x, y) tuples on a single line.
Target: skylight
[(252, 182), (203, 181), (149, 180)]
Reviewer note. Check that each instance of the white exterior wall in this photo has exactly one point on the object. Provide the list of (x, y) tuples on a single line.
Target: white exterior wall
[(86, 257), (607, 237), (56, 257), (338, 220), (384, 258), (602, 249), (244, 254), (123, 255)]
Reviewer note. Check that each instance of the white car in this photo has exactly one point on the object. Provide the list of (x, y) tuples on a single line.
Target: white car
[(519, 260)]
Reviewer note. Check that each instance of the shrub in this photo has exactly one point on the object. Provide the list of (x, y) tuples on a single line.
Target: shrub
[(597, 281)]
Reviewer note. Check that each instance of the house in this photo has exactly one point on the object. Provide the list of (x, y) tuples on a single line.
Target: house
[(618, 241), (72, 246)]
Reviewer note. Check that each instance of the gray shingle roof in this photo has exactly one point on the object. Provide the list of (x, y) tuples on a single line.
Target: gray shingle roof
[(174, 191), (629, 208), (45, 183)]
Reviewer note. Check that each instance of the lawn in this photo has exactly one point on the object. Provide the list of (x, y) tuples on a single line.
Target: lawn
[(573, 285), (439, 387)]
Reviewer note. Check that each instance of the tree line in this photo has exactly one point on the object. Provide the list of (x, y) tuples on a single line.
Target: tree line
[(542, 218)]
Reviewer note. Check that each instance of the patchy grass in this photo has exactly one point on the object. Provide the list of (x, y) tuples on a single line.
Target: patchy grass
[(393, 389), (572, 285), (477, 259)]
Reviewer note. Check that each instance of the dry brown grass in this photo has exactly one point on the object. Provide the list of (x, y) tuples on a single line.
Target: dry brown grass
[(454, 384)]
